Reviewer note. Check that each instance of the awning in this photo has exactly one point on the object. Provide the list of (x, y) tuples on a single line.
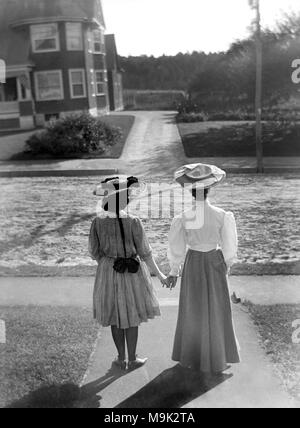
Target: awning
[(22, 74), (16, 73)]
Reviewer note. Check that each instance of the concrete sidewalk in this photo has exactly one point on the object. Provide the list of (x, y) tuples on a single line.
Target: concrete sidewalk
[(164, 384), (78, 291), (248, 165), (153, 148)]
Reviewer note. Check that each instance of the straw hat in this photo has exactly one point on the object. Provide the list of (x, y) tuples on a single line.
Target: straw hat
[(115, 185), (206, 176)]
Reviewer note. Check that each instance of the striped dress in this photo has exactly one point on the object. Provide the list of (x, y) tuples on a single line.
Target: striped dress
[(121, 300)]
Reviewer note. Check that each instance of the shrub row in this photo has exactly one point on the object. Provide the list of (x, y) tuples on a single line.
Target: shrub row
[(74, 135), (189, 112)]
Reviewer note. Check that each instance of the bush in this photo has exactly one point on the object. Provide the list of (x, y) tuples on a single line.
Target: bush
[(187, 106), (231, 116), (191, 117), (74, 135)]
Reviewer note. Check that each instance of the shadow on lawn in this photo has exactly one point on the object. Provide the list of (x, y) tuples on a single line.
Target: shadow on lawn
[(41, 231), (174, 388), (67, 396)]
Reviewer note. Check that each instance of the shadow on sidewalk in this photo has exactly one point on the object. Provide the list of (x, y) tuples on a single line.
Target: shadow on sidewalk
[(68, 396), (89, 394), (174, 388)]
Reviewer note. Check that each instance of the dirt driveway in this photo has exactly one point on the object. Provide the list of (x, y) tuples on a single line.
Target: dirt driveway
[(154, 145)]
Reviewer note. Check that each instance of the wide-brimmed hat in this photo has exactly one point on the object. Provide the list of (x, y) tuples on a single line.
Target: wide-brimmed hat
[(114, 192), (200, 174), (116, 185)]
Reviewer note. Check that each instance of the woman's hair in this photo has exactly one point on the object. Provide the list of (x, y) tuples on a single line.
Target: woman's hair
[(116, 183), (196, 192)]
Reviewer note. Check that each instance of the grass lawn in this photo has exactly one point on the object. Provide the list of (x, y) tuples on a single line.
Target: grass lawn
[(46, 221), (123, 122), (230, 139), (275, 327), (47, 347)]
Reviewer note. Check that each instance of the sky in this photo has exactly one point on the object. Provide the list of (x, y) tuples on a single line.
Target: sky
[(157, 27)]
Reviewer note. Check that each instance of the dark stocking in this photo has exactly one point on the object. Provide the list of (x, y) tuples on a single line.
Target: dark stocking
[(131, 339), (119, 339)]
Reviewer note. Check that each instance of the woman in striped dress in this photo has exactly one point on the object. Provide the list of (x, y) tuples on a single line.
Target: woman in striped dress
[(122, 300)]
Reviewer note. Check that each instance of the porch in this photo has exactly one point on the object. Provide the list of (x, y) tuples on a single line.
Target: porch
[(16, 106)]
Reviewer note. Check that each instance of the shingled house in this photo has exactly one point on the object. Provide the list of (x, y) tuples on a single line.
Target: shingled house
[(55, 59)]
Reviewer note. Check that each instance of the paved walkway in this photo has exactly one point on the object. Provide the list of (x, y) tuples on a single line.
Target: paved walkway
[(250, 384), (77, 291), (153, 148), (162, 383)]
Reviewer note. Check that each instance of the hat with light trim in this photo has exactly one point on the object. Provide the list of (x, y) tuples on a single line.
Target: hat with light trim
[(200, 174)]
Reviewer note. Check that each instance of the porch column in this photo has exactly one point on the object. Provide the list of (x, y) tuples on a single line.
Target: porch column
[(25, 101)]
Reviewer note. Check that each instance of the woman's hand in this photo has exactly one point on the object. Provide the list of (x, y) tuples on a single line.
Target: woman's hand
[(172, 282), (164, 280)]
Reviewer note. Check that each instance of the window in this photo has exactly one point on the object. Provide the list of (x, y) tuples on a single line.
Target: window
[(74, 37), (49, 85), (100, 82), (45, 38), (98, 41), (8, 90), (77, 84), (23, 87)]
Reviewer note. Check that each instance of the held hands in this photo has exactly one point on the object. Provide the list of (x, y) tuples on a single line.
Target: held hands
[(164, 280), (169, 282), (172, 282)]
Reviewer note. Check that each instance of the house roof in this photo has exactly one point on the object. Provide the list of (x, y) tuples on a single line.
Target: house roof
[(15, 44), (14, 47), (112, 58), (32, 10)]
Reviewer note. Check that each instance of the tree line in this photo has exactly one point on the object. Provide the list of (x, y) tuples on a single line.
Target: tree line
[(230, 74)]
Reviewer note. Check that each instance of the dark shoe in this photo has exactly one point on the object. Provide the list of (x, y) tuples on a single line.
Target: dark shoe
[(119, 364), (235, 300)]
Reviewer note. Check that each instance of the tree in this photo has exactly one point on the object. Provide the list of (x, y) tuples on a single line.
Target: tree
[(255, 4)]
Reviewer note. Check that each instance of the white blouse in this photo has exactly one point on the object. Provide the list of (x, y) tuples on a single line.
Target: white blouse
[(215, 228)]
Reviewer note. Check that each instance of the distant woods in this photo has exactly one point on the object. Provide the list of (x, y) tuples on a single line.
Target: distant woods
[(229, 74), (163, 73)]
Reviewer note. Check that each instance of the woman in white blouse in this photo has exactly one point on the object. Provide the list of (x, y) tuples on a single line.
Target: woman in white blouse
[(205, 241)]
